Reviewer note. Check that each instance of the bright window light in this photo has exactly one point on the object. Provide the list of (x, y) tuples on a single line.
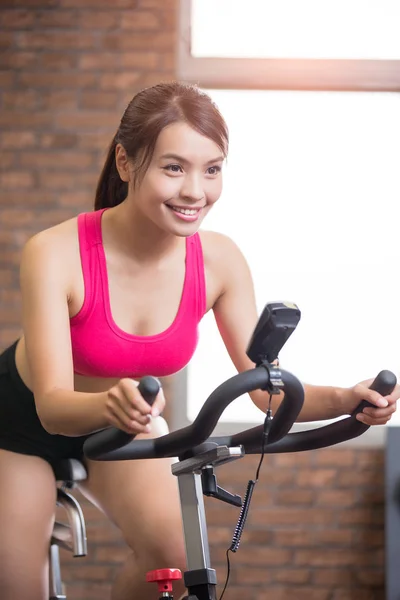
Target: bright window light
[(349, 29), (312, 196)]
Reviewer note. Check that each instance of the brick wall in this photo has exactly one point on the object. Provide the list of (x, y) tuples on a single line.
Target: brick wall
[(315, 531), (67, 70)]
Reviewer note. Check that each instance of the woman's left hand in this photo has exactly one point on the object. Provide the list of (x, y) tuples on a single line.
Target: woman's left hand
[(384, 406)]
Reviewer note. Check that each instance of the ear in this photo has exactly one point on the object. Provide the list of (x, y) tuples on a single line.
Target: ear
[(122, 162)]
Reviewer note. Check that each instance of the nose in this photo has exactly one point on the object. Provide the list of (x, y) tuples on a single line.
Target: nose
[(192, 188)]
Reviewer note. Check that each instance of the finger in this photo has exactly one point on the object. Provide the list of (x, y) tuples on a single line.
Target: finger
[(371, 396), (394, 396), (367, 420), (380, 412), (159, 404), (132, 397), (123, 421)]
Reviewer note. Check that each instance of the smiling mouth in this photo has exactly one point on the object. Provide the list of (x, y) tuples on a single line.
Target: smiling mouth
[(190, 212)]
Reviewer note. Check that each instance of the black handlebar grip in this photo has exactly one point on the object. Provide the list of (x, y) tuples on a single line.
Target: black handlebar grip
[(383, 383), (112, 438)]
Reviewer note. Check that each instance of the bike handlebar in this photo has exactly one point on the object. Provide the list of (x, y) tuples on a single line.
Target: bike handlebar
[(114, 444)]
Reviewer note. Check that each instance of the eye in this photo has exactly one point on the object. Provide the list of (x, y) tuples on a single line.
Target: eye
[(173, 168), (214, 170)]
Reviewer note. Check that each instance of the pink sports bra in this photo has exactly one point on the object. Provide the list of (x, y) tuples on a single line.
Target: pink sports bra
[(100, 348)]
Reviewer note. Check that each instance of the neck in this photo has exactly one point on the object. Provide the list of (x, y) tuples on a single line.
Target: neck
[(137, 236)]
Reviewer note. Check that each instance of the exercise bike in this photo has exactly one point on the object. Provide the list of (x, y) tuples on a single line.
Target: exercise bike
[(199, 452)]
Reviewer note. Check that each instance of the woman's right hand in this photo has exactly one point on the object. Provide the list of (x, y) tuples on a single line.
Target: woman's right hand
[(128, 410)]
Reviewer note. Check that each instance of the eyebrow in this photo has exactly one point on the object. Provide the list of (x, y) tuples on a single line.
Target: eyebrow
[(184, 160)]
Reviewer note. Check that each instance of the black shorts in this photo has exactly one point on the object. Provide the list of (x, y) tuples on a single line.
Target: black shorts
[(20, 428)]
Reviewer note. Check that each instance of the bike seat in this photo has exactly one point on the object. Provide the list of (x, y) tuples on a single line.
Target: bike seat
[(70, 471)]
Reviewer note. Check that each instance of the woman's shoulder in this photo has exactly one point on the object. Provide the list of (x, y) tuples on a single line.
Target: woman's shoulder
[(55, 247), (63, 233), (218, 248)]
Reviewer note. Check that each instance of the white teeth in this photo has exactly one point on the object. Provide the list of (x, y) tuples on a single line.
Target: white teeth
[(185, 211)]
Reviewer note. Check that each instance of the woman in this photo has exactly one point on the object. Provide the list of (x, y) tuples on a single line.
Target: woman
[(108, 297)]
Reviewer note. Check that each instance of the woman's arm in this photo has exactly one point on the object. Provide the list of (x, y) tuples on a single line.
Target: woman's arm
[(236, 316), (44, 277)]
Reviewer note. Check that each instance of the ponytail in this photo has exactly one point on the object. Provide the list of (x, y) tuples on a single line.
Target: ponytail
[(111, 190)]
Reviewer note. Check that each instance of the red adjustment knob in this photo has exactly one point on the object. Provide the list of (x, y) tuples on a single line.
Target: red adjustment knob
[(164, 578)]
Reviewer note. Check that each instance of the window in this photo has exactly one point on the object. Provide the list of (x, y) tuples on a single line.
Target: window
[(290, 44), (312, 192)]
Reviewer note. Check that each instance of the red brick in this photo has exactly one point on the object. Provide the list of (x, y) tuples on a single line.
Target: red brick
[(361, 516), (289, 575), (253, 576), (7, 39), (6, 277), (8, 297), (63, 180), (58, 140), (168, 61), (56, 160), (339, 498), (57, 41), (59, 100), (118, 81), (56, 19), (78, 200), (59, 80), (9, 334), (17, 60), (113, 61), (96, 19), (33, 3), (298, 497), (140, 20), (16, 18), (331, 557), (330, 577), (57, 60), (97, 3), (17, 139), (258, 555), (7, 79), (355, 594), (143, 41), (16, 180), (13, 119), (370, 458), (99, 100), (358, 478), (287, 593), (7, 160), (159, 4), (95, 140), (87, 120), (316, 477), (307, 538), (36, 198), (20, 100), (335, 457), (291, 460)]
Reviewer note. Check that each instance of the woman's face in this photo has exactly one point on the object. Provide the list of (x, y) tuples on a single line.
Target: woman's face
[(183, 180)]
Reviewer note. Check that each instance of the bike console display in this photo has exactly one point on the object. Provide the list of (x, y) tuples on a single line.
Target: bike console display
[(275, 325)]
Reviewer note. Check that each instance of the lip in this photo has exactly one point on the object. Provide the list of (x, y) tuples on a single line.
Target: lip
[(184, 217), (184, 207)]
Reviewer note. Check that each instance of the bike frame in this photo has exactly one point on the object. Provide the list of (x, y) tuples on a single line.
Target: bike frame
[(200, 579)]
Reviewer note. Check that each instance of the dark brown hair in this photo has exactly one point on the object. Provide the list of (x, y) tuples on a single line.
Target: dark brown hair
[(145, 117)]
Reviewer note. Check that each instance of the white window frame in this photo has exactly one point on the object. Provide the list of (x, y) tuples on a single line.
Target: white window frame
[(274, 74)]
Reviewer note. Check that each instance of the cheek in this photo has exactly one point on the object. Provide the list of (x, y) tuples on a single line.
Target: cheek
[(213, 190), (162, 187)]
